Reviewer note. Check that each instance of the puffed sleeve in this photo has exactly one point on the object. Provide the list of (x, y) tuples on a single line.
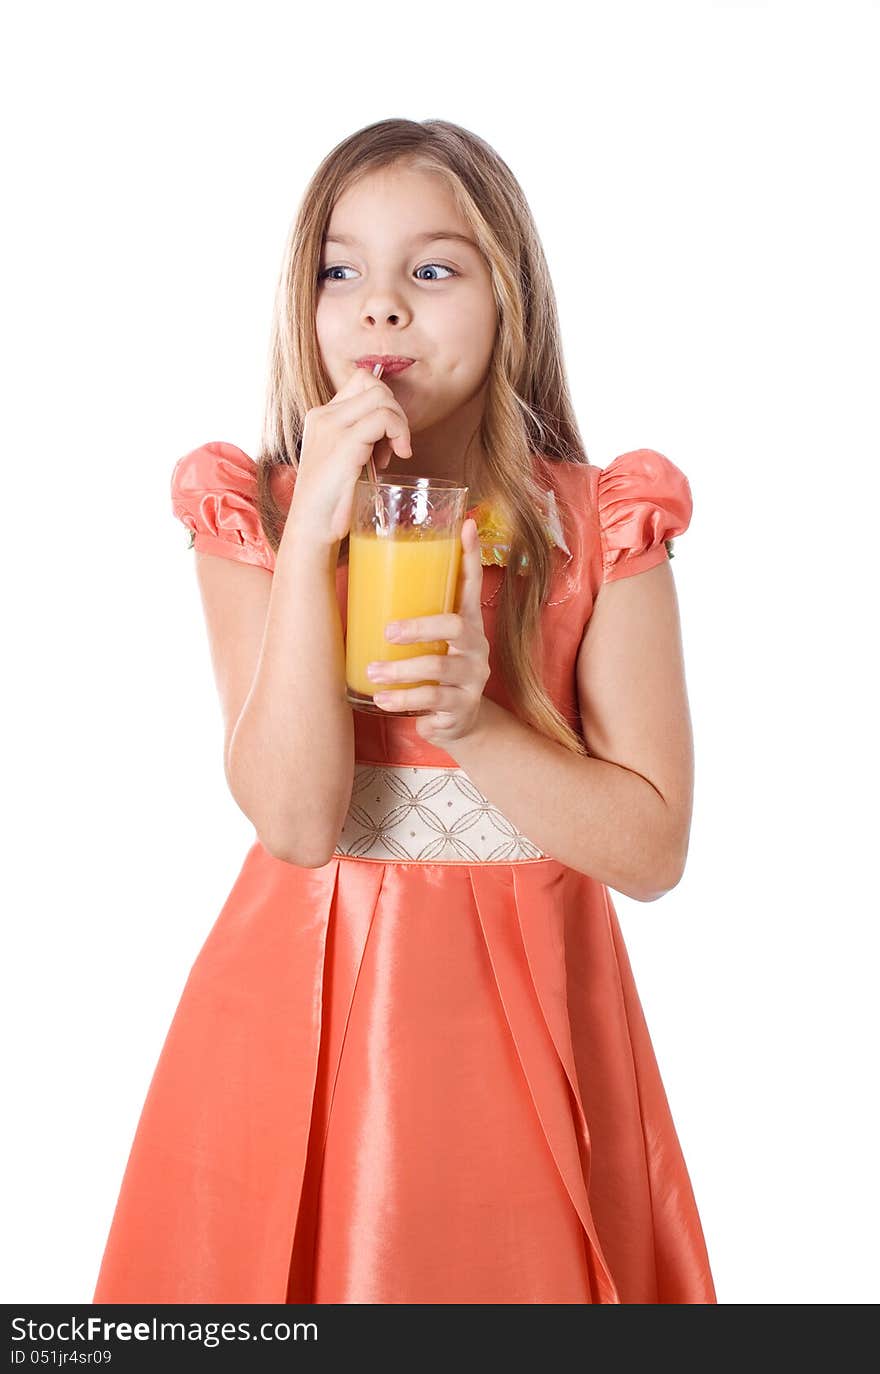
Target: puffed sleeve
[(214, 494), (643, 500)]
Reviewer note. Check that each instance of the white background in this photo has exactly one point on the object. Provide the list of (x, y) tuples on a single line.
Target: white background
[(703, 177)]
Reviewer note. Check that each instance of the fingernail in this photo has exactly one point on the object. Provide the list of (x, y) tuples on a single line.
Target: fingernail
[(392, 629)]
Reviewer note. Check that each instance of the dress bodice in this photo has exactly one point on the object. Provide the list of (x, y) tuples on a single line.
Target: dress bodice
[(616, 521)]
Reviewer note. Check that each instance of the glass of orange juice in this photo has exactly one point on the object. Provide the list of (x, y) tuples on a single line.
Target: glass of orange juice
[(404, 554)]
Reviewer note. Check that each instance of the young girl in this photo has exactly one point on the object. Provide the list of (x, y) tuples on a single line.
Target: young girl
[(409, 1063)]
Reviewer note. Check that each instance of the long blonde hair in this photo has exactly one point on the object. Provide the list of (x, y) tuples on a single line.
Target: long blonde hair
[(528, 408)]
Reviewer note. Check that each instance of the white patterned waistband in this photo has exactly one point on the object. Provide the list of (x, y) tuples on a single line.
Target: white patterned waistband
[(427, 815)]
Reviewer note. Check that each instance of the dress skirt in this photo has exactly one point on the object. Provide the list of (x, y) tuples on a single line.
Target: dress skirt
[(430, 1177), (423, 1077)]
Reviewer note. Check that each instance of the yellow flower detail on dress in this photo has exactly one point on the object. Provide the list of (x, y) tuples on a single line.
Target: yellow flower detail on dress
[(494, 532)]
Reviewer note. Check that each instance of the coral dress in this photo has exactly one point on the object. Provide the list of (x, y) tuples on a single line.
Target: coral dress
[(421, 1072)]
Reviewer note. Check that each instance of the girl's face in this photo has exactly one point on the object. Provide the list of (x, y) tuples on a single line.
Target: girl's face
[(397, 284)]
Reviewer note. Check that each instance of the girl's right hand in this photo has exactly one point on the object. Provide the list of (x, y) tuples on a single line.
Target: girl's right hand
[(338, 439)]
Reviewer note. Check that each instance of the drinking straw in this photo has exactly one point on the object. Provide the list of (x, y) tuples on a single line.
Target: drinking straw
[(380, 513)]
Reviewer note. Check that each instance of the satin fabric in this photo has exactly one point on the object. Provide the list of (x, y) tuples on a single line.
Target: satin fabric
[(392, 1081)]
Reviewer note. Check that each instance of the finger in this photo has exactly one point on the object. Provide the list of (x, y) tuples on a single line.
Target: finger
[(360, 380), (423, 629), (420, 698), (471, 573), (432, 724), (368, 400), (372, 429), (434, 667)]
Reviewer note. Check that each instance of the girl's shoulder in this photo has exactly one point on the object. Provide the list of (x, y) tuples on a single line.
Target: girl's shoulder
[(214, 495), (626, 511)]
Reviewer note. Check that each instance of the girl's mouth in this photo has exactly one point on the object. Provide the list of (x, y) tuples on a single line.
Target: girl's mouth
[(389, 363)]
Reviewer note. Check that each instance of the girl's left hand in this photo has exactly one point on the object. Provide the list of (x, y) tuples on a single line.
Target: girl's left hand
[(461, 673)]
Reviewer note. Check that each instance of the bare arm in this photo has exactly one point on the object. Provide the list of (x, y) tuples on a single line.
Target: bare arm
[(291, 754), (277, 647), (623, 815), (289, 749)]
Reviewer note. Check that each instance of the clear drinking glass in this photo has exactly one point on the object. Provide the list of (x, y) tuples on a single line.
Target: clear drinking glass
[(404, 555)]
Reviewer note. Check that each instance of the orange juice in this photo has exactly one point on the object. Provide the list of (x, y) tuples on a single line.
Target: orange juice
[(396, 577)]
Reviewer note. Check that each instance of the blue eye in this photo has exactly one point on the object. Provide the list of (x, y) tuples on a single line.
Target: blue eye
[(327, 270), (325, 273), (451, 270)]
